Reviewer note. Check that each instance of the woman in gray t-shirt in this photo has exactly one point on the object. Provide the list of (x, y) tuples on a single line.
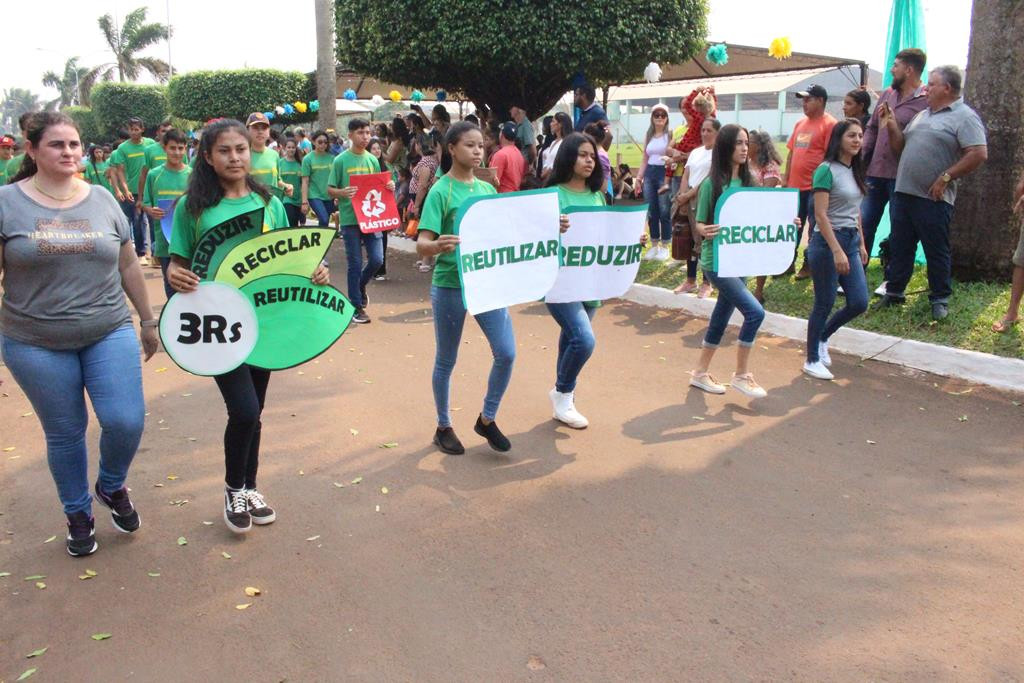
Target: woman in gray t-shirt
[(67, 260), (836, 252)]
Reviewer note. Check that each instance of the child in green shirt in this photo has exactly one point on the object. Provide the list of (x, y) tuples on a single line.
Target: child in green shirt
[(289, 171), (166, 182)]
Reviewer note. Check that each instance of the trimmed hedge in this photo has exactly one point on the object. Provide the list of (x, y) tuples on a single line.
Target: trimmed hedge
[(87, 124), (114, 103), (203, 95)]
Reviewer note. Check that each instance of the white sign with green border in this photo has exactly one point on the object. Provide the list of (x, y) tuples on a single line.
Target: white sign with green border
[(758, 235)]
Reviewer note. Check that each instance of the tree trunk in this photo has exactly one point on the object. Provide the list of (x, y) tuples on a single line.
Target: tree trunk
[(326, 77), (984, 230)]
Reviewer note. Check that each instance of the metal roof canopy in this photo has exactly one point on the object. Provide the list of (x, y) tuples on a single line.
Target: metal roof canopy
[(728, 85), (746, 60)]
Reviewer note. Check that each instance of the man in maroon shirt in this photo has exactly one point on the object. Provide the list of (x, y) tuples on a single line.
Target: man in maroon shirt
[(508, 161), (906, 98)]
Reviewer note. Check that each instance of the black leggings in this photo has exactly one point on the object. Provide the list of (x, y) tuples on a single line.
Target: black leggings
[(244, 390), (295, 216)]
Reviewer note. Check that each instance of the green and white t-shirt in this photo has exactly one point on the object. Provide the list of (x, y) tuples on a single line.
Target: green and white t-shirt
[(317, 167), (348, 164), (291, 173), (844, 195), (706, 214), (438, 216), (187, 228), (162, 183)]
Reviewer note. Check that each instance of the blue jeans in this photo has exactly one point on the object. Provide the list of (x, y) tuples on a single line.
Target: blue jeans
[(659, 222), (55, 383), (449, 318), (732, 294), (323, 208), (805, 211), (926, 220), (136, 221), (358, 275), (823, 269), (880, 191), (575, 343), (165, 263)]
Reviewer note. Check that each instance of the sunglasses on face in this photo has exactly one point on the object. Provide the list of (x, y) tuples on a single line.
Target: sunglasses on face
[(660, 116)]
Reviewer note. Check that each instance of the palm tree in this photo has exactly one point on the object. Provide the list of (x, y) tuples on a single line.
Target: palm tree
[(16, 101), (134, 36), (74, 86), (326, 73)]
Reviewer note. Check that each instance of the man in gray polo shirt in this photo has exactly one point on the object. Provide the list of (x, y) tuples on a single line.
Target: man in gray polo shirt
[(939, 146)]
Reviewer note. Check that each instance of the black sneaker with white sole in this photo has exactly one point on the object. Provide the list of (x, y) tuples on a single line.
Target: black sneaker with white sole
[(81, 537), (236, 511), (360, 317), (124, 515), (260, 512)]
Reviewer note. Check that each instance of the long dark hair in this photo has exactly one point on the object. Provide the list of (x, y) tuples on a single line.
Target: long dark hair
[(835, 147), (35, 127), (565, 162), (92, 159), (400, 131), (766, 152), (452, 137), (204, 188), (564, 123), (721, 162)]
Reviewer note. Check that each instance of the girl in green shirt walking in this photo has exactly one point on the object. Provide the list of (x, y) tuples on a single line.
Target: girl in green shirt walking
[(96, 168), (289, 168), (220, 189)]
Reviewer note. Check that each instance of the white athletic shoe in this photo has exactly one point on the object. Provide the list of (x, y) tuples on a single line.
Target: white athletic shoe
[(705, 382), (663, 254), (881, 289), (745, 384), (651, 253), (823, 356), (565, 409), (817, 370)]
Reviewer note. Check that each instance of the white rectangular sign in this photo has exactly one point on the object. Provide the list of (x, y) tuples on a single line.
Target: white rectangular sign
[(600, 253), (758, 235), (508, 248)]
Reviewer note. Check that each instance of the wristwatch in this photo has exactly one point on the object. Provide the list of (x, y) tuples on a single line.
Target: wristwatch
[(946, 178)]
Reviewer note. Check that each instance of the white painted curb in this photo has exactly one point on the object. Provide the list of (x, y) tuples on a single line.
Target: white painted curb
[(973, 366)]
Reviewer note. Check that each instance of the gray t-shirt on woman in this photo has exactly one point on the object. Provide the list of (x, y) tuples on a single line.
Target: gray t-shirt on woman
[(62, 285)]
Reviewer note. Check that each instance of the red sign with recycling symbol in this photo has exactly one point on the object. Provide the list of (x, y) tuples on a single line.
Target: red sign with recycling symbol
[(374, 204)]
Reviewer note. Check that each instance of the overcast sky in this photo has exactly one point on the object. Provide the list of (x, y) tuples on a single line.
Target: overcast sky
[(209, 34)]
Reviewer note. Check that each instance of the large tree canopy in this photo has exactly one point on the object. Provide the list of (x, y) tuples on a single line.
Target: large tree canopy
[(495, 52)]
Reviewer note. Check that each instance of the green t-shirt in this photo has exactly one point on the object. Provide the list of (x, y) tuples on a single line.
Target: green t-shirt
[(706, 214), (263, 167), (14, 165), (346, 164), (97, 174), (155, 156), (163, 183), (569, 198), (132, 157), (438, 216), (187, 228), (317, 167), (291, 173)]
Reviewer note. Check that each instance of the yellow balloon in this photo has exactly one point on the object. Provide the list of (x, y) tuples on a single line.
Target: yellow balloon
[(300, 107), (395, 96), (780, 49)]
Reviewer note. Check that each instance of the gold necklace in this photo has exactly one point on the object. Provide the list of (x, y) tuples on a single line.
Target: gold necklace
[(35, 184)]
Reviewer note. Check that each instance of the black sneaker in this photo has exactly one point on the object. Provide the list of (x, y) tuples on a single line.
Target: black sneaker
[(888, 301), (360, 317), (126, 519), (939, 311), (236, 511), (495, 439), (81, 535), (260, 512), (445, 439)]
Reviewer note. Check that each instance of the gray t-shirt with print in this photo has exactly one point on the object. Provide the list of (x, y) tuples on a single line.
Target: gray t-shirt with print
[(844, 195), (62, 285), (934, 142)]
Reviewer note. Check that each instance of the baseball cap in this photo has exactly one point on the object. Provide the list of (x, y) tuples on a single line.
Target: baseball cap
[(508, 130), (6, 141), (814, 91), (257, 117)]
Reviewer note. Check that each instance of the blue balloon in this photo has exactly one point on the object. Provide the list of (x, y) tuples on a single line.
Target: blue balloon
[(442, 96), (350, 95), (270, 115), (289, 109)]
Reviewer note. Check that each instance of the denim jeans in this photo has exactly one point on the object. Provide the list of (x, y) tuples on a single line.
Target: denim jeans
[(55, 382), (323, 208), (135, 220), (918, 219), (575, 343), (165, 263), (732, 294), (872, 207), (823, 269), (358, 275), (805, 211), (449, 318), (659, 222), (244, 390)]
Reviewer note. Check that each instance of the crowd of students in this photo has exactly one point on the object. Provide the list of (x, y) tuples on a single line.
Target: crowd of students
[(73, 231)]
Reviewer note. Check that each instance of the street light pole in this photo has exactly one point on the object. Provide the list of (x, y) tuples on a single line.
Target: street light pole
[(170, 64)]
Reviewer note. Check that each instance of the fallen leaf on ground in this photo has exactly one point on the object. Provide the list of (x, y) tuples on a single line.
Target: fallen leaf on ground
[(158, 486), (244, 605), (4, 575), (26, 414), (26, 674), (313, 538), (172, 477), (35, 577), (302, 473), (252, 591), (389, 444), (384, 490), (376, 508), (205, 523), (354, 432), (87, 575), (100, 636), (40, 585), (192, 438), (153, 574), (339, 485), (225, 555), (872, 442), (9, 449), (356, 480), (36, 653), (161, 369), (697, 417), (50, 539), (185, 395), (962, 418), (182, 541), (960, 393)]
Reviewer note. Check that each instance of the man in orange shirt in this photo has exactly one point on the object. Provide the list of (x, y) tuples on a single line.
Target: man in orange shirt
[(807, 147), (508, 161)]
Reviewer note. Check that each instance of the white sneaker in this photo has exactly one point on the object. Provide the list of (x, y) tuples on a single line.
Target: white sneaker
[(663, 254), (745, 384), (565, 409), (823, 356), (705, 382), (651, 253), (817, 370), (881, 289)]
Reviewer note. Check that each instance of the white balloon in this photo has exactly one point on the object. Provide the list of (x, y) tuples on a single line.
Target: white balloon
[(377, 100), (652, 73)]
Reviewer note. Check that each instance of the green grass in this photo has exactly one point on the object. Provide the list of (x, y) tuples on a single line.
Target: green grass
[(972, 309)]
